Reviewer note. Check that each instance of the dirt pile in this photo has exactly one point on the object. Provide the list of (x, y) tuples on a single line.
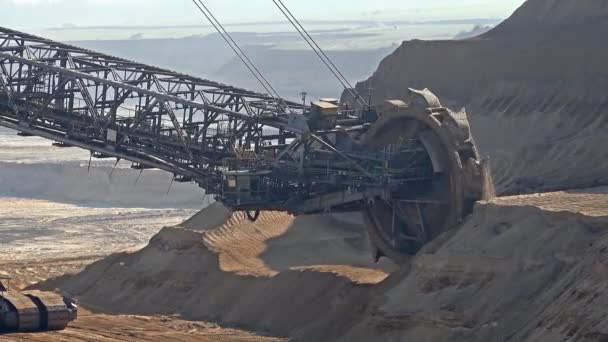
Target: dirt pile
[(521, 269), (213, 216), (533, 87), (279, 275)]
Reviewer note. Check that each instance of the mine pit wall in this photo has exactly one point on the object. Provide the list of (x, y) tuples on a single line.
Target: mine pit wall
[(512, 272), (534, 90)]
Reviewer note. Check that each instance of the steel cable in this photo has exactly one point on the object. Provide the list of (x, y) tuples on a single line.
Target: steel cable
[(255, 71), (319, 52)]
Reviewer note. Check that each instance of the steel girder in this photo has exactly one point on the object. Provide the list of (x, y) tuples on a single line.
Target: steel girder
[(160, 118)]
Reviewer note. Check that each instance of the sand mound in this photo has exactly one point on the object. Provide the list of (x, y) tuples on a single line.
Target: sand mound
[(213, 216), (513, 272), (279, 242), (533, 87), (279, 274), (522, 268)]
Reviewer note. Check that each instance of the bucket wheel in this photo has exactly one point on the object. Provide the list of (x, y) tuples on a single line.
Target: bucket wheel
[(431, 147)]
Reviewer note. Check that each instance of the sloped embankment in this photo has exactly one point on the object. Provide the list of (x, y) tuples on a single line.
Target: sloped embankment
[(277, 275), (534, 88), (524, 268), (527, 268)]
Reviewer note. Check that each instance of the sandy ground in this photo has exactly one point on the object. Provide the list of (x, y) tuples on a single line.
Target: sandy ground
[(278, 242), (591, 202), (42, 240), (41, 229), (107, 328), (522, 268), (322, 258), (527, 266), (278, 275)]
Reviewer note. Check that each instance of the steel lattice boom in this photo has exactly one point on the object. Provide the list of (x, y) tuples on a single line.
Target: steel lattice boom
[(125, 109), (413, 168)]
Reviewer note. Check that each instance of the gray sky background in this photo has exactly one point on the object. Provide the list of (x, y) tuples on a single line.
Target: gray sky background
[(54, 13)]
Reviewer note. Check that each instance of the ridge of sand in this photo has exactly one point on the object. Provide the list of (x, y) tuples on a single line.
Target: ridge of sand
[(212, 216), (526, 268), (279, 242), (529, 268), (589, 202), (264, 276)]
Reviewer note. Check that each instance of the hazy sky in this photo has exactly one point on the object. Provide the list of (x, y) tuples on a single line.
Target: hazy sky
[(54, 13)]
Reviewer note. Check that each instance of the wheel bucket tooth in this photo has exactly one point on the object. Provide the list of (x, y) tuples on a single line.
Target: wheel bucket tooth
[(460, 177)]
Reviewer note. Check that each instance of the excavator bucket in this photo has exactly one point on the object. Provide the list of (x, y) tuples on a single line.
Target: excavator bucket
[(401, 224)]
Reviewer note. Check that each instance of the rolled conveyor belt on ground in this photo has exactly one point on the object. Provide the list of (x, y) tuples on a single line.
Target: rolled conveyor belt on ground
[(35, 311)]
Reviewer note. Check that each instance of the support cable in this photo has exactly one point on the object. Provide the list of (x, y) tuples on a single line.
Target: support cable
[(319, 52), (255, 71)]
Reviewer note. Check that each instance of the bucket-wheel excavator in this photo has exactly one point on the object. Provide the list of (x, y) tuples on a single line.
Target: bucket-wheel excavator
[(409, 165)]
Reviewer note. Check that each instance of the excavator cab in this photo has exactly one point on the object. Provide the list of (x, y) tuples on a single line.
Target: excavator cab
[(245, 187), (323, 114)]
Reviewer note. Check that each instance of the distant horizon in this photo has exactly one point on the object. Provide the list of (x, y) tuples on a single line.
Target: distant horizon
[(44, 14), (471, 21)]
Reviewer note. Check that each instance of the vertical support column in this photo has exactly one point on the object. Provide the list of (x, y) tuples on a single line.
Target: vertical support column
[(60, 100)]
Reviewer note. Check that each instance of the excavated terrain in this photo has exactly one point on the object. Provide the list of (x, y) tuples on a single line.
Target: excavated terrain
[(276, 276), (522, 268), (527, 266), (534, 88)]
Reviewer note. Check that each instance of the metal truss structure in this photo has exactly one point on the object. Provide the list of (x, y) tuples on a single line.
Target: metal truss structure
[(412, 168), (115, 107)]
